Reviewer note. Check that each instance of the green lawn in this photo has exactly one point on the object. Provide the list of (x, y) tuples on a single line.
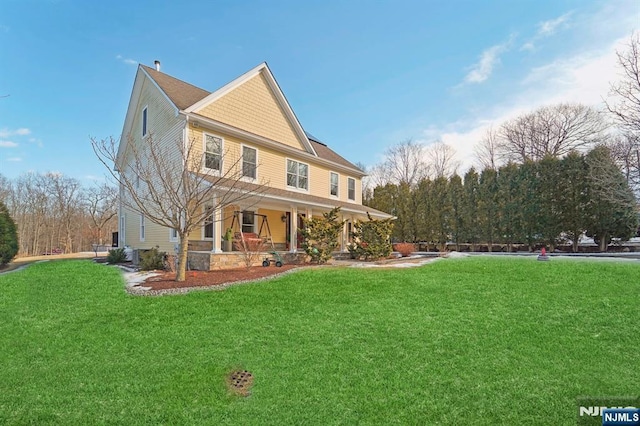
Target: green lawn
[(460, 341)]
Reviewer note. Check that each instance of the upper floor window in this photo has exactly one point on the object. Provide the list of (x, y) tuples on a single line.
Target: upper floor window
[(249, 162), (297, 174), (212, 152), (334, 184), (351, 186), (144, 121)]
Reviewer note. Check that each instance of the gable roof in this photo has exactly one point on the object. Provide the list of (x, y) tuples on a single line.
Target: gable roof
[(188, 98), (182, 94)]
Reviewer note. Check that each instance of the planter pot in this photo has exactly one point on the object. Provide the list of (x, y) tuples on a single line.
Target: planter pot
[(227, 245)]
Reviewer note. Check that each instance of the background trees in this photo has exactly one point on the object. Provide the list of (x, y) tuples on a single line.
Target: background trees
[(52, 211), (545, 202)]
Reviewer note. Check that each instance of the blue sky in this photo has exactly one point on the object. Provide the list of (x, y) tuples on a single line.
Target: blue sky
[(360, 75)]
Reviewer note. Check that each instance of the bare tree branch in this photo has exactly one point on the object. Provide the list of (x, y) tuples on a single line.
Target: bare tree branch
[(169, 185)]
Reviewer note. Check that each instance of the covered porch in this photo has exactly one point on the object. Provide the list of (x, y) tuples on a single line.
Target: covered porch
[(270, 218)]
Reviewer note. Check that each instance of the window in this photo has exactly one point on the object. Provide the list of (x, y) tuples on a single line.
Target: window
[(248, 221), (352, 188), (144, 121), (142, 227), (212, 152), (297, 174), (208, 223), (334, 184), (249, 162), (173, 235)]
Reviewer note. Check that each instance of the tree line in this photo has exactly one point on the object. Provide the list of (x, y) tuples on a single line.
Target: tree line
[(55, 213), (546, 202)]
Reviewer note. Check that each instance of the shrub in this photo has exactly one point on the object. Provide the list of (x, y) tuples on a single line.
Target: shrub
[(250, 250), (372, 238), (8, 236), (321, 235), (405, 249), (117, 256), (152, 259)]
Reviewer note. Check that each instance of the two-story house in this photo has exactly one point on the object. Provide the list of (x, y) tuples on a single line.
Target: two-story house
[(250, 118)]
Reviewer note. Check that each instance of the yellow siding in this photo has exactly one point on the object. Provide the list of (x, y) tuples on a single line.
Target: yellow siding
[(272, 166), (165, 131), (253, 107)]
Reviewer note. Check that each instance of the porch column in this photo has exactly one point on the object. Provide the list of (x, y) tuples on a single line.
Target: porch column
[(293, 237), (217, 226), (343, 239)]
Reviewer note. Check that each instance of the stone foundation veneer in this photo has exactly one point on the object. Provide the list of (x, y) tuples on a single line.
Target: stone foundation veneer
[(207, 261)]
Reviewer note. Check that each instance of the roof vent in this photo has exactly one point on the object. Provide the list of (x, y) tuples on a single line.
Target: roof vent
[(157, 64)]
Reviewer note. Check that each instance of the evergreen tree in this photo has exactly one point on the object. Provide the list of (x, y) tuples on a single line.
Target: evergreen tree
[(456, 199), (470, 229), (612, 207), (441, 212), (488, 206), (530, 203), (575, 197), (8, 236), (550, 196), (510, 202)]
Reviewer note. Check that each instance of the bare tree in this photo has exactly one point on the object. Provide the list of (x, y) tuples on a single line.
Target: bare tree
[(551, 130), (442, 160), (487, 150), (102, 206), (405, 163), (165, 183), (625, 151), (625, 105)]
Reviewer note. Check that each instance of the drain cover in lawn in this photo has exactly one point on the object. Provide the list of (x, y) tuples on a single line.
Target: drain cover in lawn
[(240, 382)]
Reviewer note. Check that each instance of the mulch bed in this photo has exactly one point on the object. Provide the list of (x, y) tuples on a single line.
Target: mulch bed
[(167, 281)]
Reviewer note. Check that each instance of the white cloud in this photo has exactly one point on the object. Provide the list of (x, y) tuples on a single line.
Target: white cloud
[(549, 27), (8, 144), (580, 74), (488, 60), (126, 60), (581, 78), (5, 133), (14, 159)]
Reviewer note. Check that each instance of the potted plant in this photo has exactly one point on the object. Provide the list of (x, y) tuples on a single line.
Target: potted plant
[(227, 243)]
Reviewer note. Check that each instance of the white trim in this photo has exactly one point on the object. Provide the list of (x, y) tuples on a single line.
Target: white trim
[(354, 189), (337, 196), (205, 169), (248, 178), (144, 120), (275, 88), (173, 239), (123, 229), (204, 224), (153, 81), (286, 177), (132, 108), (143, 228), (268, 143)]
